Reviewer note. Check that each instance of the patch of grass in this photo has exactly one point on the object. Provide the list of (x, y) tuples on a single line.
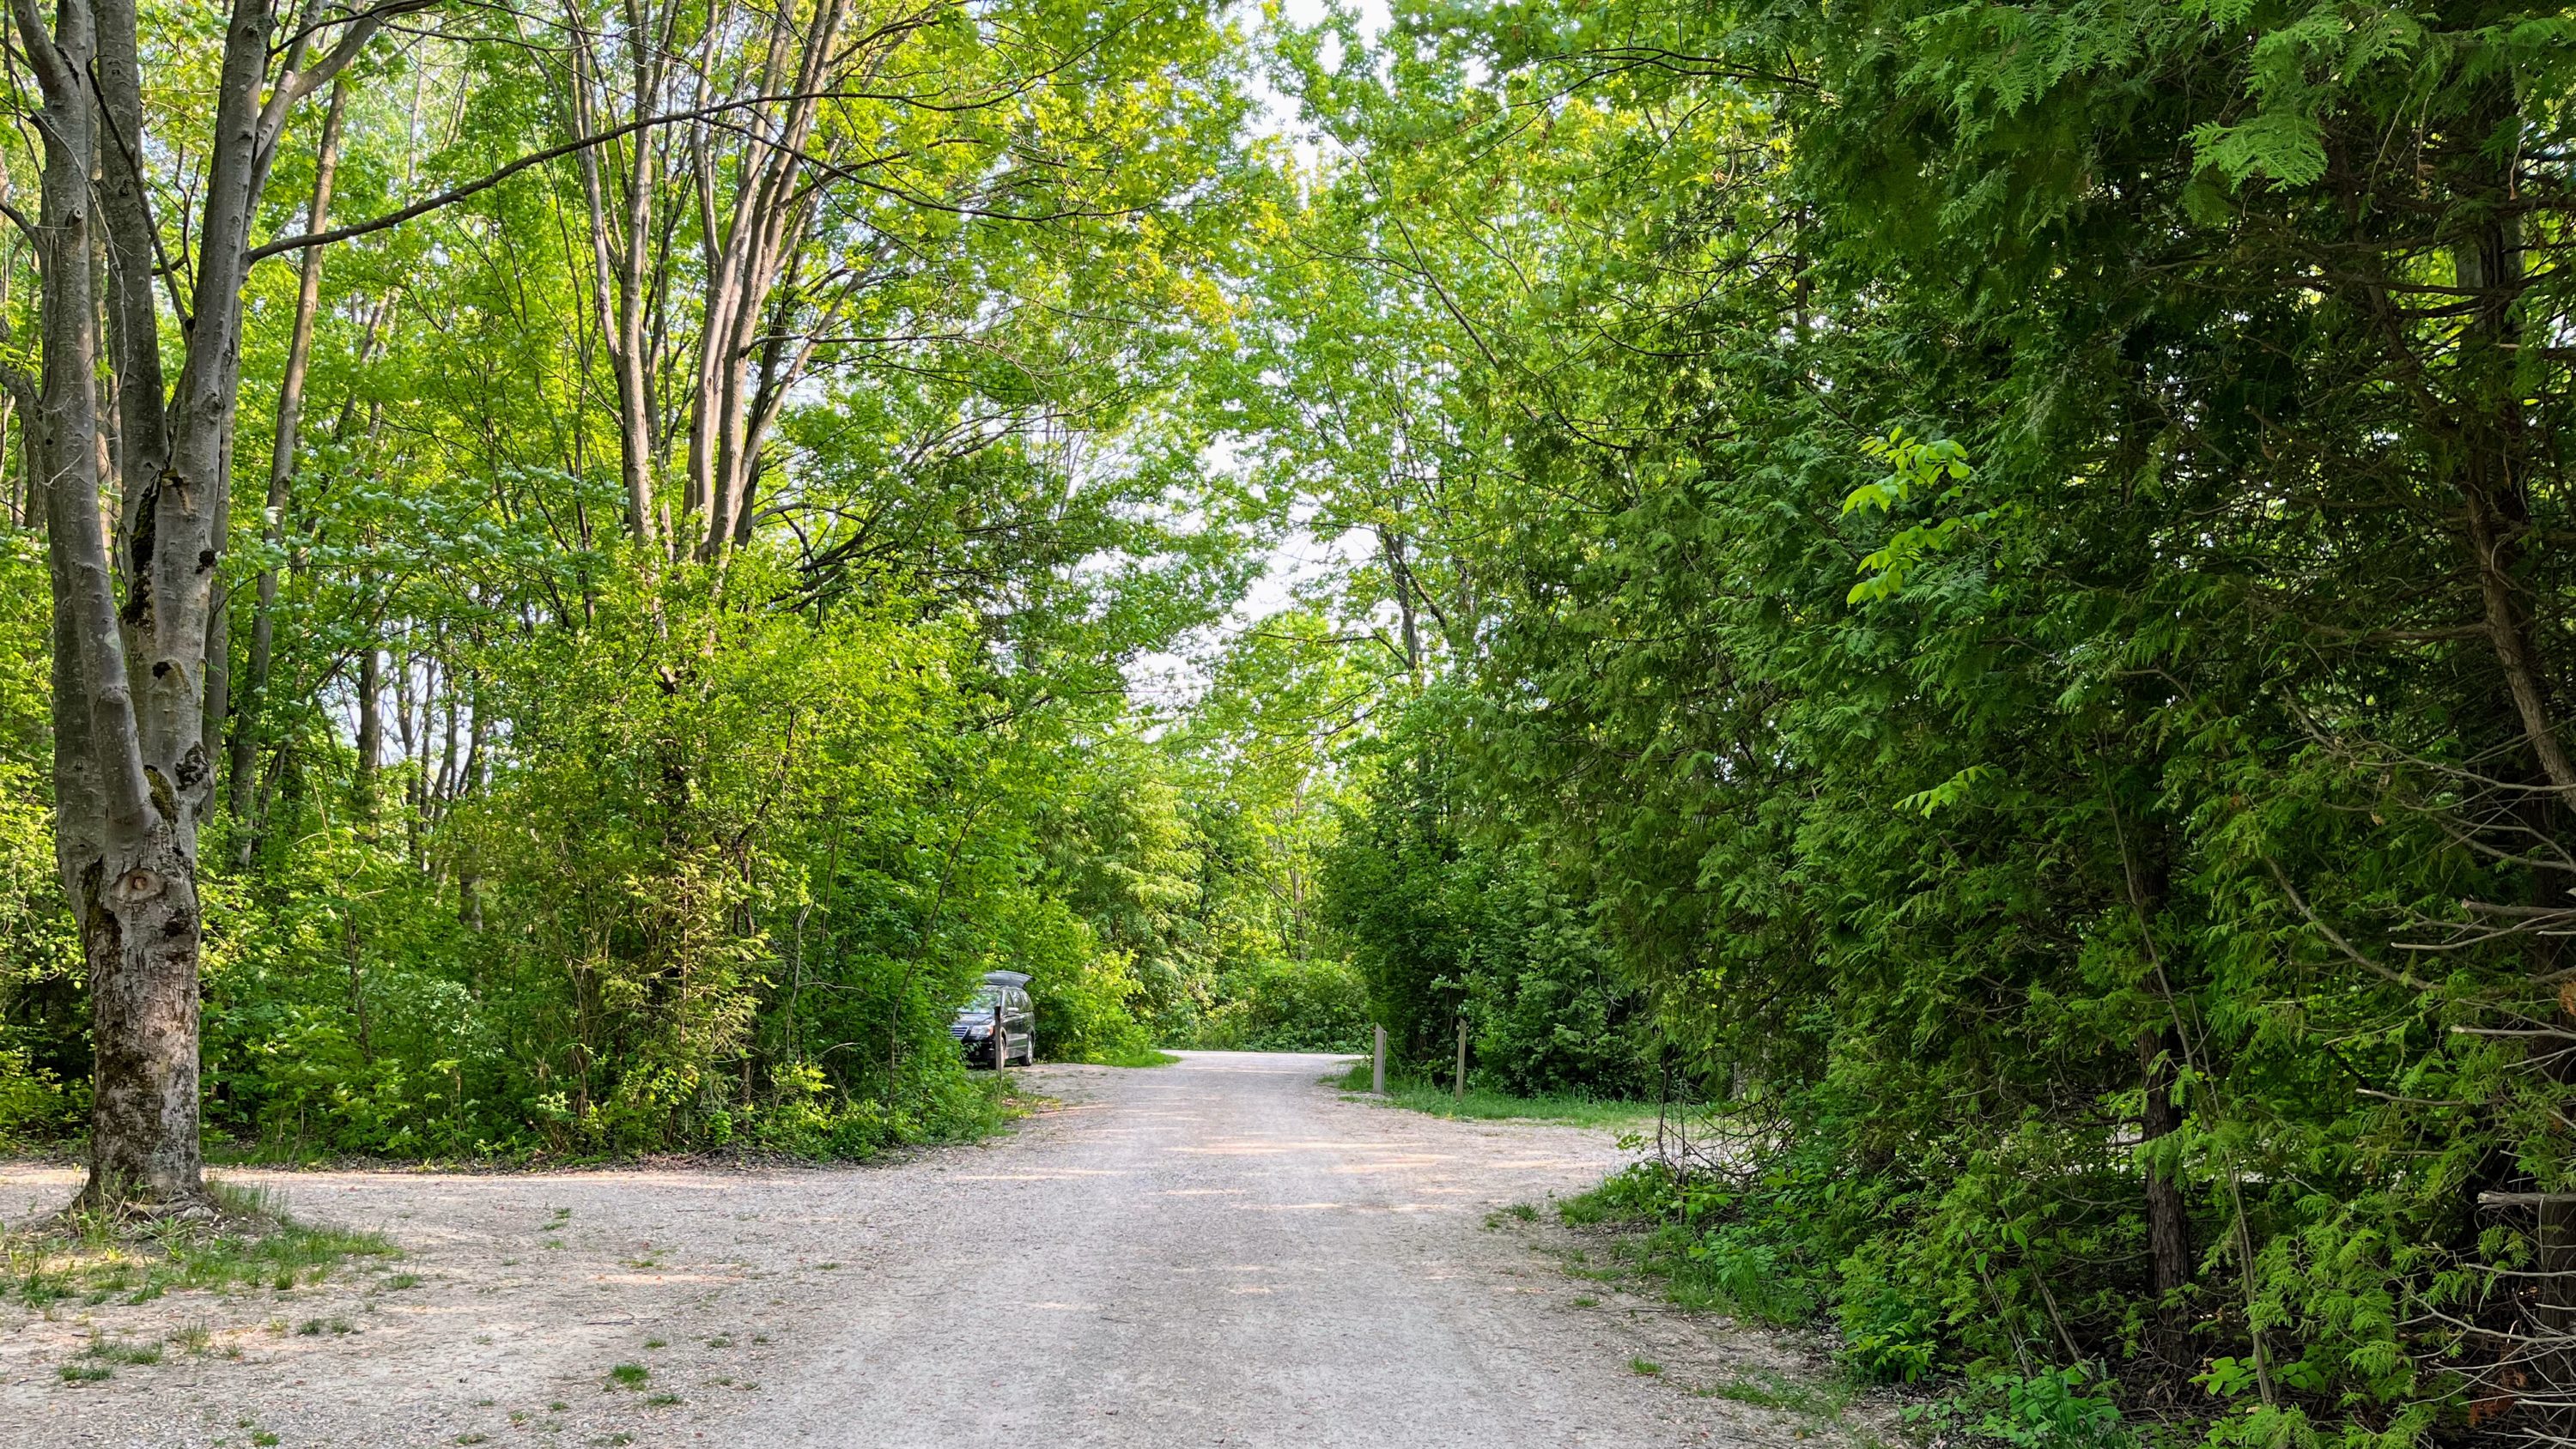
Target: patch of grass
[(1645, 1368), (1139, 1057), (193, 1339), (827, 1267), (86, 1373), (118, 1351), (247, 1242), (1422, 1094), (38, 1287), (263, 1437), (1587, 1301), (1767, 1390), (1744, 1268), (630, 1375), (657, 1343), (660, 1401), (400, 1281)]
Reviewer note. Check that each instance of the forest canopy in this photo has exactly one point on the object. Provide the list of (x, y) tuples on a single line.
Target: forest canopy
[(1961, 593)]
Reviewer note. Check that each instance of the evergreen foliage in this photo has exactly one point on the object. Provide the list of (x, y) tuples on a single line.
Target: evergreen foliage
[(2005, 564)]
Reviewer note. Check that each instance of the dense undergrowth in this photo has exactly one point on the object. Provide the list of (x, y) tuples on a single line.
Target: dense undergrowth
[(1994, 593), (1767, 1256)]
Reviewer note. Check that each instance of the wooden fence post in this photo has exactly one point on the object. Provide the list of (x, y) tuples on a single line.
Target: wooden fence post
[(1377, 1066)]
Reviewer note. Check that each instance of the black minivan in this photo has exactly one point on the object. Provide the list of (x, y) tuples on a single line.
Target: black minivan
[(1003, 1000)]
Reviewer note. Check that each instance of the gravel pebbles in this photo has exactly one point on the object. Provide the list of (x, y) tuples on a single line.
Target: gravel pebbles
[(1223, 1252)]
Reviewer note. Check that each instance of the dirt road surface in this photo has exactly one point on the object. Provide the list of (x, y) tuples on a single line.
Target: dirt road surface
[(1223, 1252)]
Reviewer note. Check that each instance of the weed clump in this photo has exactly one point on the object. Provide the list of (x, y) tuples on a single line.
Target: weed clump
[(245, 1241)]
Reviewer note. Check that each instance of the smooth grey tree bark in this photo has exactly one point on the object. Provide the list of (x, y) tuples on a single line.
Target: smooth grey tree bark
[(623, 288), (133, 771)]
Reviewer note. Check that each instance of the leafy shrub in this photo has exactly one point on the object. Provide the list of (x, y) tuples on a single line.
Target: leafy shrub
[(2052, 1409), (1084, 996), (662, 923), (1443, 925), (33, 1106), (1888, 1338), (1318, 1005), (1714, 1245), (41, 1010)]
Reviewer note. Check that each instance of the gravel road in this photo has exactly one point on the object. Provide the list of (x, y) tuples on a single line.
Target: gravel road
[(1223, 1252)]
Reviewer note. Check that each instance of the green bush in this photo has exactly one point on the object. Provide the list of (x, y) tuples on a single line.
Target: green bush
[(1443, 924), (1085, 996), (1714, 1245), (2054, 1409), (41, 1007), (1274, 1006), (677, 930)]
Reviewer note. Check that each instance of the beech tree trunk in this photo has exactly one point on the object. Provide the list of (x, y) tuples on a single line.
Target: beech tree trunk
[(132, 768), (622, 289)]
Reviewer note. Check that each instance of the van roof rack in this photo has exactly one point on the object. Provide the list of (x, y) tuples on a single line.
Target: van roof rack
[(1006, 978)]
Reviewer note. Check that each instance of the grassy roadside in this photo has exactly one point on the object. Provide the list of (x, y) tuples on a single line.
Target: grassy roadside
[(1435, 1098), (1783, 1368), (248, 1244), (1140, 1057)]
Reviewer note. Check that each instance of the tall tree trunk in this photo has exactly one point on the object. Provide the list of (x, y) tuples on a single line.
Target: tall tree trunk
[(371, 733), (621, 247), (1400, 579), (746, 264), (2168, 1222), (243, 770), (132, 719), (128, 875)]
